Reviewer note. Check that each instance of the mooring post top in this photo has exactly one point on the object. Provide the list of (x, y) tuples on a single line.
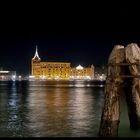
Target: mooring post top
[(117, 55)]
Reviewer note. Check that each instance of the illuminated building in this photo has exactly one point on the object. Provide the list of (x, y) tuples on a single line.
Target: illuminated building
[(7, 75), (82, 73), (49, 70), (58, 70), (100, 72)]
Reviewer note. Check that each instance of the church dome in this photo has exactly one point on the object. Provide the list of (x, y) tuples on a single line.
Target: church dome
[(79, 67)]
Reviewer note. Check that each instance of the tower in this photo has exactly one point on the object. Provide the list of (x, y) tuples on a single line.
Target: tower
[(36, 64)]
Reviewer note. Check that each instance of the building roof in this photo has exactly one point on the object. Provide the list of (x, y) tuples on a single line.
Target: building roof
[(79, 67)]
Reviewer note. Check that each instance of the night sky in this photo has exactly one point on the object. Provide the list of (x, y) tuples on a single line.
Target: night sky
[(81, 37)]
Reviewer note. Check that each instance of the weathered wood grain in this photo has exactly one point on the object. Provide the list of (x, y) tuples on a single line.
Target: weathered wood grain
[(113, 90), (132, 90)]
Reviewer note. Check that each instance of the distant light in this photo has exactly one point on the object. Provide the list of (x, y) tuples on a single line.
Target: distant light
[(56, 78), (14, 76), (88, 77), (19, 76), (43, 77), (101, 77), (71, 76), (78, 77), (79, 67), (101, 85), (2, 77), (4, 71), (31, 76)]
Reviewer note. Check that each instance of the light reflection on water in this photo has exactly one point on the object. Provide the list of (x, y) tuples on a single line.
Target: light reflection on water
[(45, 109), (12, 110), (63, 111)]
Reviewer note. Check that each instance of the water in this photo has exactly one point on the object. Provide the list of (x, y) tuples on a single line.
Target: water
[(54, 109)]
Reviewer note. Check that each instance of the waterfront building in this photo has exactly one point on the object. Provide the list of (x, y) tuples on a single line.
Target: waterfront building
[(100, 72), (49, 70), (82, 73), (7, 75), (58, 70)]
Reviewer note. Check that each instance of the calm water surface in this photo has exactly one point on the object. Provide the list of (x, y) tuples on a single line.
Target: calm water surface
[(54, 109)]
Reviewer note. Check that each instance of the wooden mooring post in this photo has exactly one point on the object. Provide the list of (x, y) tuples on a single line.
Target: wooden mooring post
[(132, 88), (121, 79)]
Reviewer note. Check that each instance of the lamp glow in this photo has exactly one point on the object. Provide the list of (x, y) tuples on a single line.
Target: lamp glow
[(79, 67)]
